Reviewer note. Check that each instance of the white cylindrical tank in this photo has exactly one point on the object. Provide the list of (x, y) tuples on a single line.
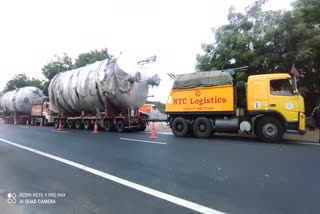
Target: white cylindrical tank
[(20, 100), (86, 88)]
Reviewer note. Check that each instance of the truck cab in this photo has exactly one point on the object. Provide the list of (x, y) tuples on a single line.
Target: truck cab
[(147, 108), (276, 105), (40, 112)]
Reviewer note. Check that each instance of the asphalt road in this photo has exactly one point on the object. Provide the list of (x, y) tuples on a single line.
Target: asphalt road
[(125, 173)]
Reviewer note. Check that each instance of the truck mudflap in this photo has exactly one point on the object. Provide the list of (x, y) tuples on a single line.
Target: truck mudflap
[(299, 126), (302, 123)]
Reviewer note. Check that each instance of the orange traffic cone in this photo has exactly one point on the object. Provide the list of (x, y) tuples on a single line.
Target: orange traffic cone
[(153, 132), (95, 130), (60, 126), (27, 123)]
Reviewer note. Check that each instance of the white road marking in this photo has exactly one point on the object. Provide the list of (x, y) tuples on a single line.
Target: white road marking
[(306, 143), (314, 144), (23, 127), (59, 131), (173, 199), (165, 133), (146, 141)]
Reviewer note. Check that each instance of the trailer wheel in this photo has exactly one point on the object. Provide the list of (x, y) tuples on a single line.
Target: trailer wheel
[(87, 124), (78, 124), (32, 122), (45, 122), (179, 127), (56, 123), (70, 124), (120, 126), (142, 128), (270, 129), (108, 125), (202, 127)]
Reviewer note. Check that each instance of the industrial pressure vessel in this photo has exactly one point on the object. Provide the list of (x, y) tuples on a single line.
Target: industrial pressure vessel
[(87, 88), (20, 100)]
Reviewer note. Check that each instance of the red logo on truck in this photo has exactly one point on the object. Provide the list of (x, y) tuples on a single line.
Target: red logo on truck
[(198, 93)]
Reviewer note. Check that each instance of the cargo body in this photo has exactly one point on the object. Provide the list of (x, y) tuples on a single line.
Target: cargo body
[(146, 108), (219, 99), (40, 113), (202, 105), (100, 93)]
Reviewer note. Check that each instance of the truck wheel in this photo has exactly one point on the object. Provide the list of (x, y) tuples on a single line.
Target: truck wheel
[(32, 122), (270, 129), (179, 127), (120, 126), (108, 126), (87, 124), (45, 122), (56, 123), (142, 128), (202, 127), (70, 124), (78, 124), (63, 123)]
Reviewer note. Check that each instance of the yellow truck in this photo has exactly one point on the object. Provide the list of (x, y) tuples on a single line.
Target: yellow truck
[(203, 103)]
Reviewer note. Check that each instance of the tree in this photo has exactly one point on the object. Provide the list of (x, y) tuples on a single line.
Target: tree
[(91, 57), (61, 63), (41, 84), (305, 34), (249, 38), (21, 80), (268, 41), (18, 81)]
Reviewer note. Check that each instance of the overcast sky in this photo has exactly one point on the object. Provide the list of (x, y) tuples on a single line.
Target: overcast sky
[(33, 31)]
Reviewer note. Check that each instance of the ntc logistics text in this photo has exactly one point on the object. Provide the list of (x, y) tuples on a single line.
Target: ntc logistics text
[(199, 101)]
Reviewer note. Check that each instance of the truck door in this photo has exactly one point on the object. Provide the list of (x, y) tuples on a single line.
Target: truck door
[(283, 99), (256, 95)]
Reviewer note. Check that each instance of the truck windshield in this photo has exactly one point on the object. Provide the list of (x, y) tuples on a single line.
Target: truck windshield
[(281, 87)]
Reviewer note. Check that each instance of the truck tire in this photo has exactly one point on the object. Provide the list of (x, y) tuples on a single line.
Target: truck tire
[(70, 124), (63, 123), (32, 121), (142, 128), (56, 123), (269, 129), (120, 126), (45, 122), (79, 124), (87, 124), (108, 125), (202, 127), (179, 127)]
